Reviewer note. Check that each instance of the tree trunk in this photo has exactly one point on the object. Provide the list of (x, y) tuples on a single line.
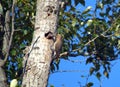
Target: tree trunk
[(4, 42), (37, 61), (2, 78)]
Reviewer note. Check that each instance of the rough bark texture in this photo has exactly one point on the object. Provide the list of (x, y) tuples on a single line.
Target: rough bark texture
[(4, 42), (38, 59), (2, 78)]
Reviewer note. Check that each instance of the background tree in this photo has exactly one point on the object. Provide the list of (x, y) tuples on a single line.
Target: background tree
[(91, 33)]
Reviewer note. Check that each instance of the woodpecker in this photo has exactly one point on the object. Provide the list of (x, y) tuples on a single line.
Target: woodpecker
[(58, 45)]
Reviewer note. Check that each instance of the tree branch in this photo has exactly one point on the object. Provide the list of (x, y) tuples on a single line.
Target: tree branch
[(77, 61), (103, 34), (12, 32), (67, 53), (61, 71)]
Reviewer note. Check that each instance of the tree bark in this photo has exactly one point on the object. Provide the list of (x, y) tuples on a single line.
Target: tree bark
[(6, 42), (38, 59), (3, 79)]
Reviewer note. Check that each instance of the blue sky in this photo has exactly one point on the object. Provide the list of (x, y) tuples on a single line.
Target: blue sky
[(74, 79)]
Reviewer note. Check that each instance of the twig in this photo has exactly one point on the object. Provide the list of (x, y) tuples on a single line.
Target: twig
[(61, 71), (12, 32), (76, 61), (66, 53), (100, 83), (17, 30), (103, 34), (28, 53), (87, 78)]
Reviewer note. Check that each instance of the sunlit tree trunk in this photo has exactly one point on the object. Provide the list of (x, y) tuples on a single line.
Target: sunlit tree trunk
[(38, 58)]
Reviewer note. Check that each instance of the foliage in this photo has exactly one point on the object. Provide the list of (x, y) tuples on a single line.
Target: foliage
[(93, 33), (24, 19)]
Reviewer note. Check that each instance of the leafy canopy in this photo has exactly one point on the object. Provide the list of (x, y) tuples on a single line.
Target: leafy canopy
[(93, 33)]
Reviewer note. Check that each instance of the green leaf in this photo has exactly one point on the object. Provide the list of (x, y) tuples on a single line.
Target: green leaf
[(25, 32), (74, 23), (97, 66), (51, 85), (89, 60), (13, 52), (119, 44), (117, 31), (98, 75), (1, 9), (92, 69), (106, 74), (89, 22), (80, 1), (109, 69), (22, 46), (89, 84), (100, 5), (88, 9)]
